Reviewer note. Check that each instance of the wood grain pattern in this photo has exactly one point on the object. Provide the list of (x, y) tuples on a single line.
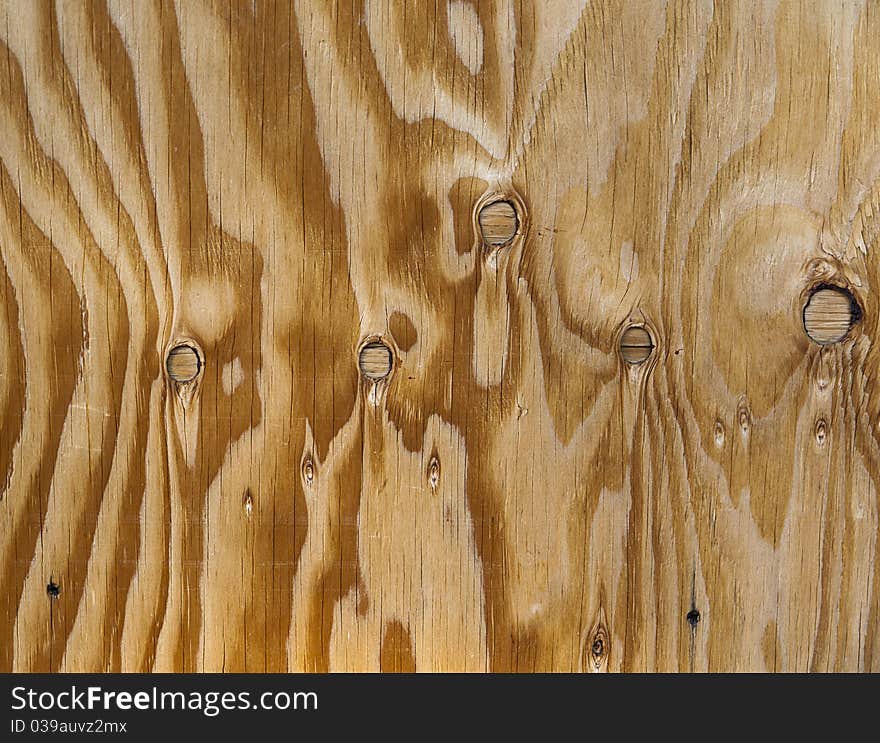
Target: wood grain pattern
[(275, 184)]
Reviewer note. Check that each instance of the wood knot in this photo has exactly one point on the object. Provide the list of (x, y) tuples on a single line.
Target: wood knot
[(308, 470), (53, 589), (829, 314), (636, 344), (184, 363), (821, 431), (499, 223), (375, 360), (719, 434), (248, 502), (599, 648), (434, 472), (744, 416), (693, 618)]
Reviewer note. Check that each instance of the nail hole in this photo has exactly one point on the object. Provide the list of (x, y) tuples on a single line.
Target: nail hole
[(375, 360), (498, 223), (53, 589), (183, 363), (693, 618), (636, 345), (829, 314)]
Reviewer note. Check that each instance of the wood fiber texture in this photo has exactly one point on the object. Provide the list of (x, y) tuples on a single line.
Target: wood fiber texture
[(277, 185)]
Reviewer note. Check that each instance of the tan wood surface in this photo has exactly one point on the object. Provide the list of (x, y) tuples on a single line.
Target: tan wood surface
[(402, 335)]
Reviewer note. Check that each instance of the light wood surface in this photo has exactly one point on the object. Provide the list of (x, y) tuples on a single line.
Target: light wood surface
[(498, 223), (183, 364), (494, 192), (636, 345), (375, 360), (829, 314)]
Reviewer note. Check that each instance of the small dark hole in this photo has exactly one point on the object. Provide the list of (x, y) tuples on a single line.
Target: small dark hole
[(53, 589), (693, 618)]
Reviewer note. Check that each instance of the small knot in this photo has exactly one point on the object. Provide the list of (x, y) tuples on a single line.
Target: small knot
[(434, 473), (248, 502), (744, 416), (599, 646), (308, 470), (693, 618), (821, 431), (53, 589), (719, 434)]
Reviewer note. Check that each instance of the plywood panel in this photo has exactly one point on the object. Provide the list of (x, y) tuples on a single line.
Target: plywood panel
[(394, 335)]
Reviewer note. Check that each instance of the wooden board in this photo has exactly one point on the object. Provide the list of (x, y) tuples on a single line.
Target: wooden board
[(288, 188)]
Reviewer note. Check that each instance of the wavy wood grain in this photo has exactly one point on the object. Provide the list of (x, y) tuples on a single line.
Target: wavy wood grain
[(276, 186)]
